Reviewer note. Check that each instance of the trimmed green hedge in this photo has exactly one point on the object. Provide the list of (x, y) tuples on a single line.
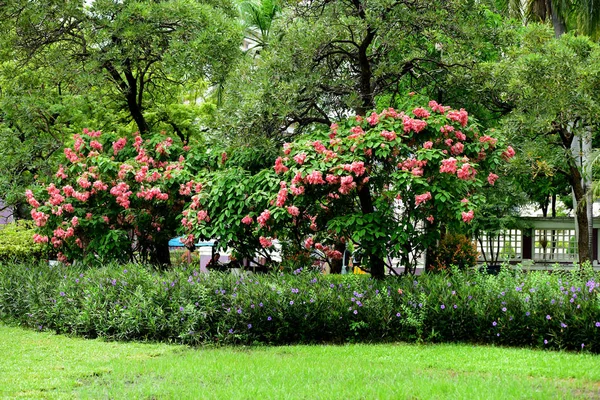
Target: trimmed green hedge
[(185, 306), (16, 242)]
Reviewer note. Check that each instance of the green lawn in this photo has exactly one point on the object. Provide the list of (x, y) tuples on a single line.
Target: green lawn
[(44, 365)]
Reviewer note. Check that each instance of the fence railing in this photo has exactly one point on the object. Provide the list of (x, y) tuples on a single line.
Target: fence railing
[(544, 242)]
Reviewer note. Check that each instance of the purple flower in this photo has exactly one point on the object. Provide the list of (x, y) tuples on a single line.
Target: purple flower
[(453, 292), (269, 318), (455, 306), (597, 324), (398, 315), (249, 326), (548, 317), (332, 286), (239, 310), (355, 312), (494, 323), (442, 306), (260, 304), (180, 308), (503, 309), (563, 325), (552, 301), (582, 346), (545, 341), (62, 294), (291, 302), (231, 331)]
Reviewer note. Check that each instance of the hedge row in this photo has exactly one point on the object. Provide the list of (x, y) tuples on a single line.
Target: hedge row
[(185, 306)]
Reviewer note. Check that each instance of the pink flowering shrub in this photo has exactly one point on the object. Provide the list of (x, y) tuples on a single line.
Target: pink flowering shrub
[(113, 198), (375, 181), (371, 181)]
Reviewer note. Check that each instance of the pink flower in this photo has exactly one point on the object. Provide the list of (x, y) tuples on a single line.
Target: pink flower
[(319, 148), (460, 116), (297, 190), (373, 119), (486, 138), (265, 242), (71, 155), (437, 107), (279, 167), (346, 184), (388, 135), (466, 172), (247, 220), (508, 153), (415, 125), (281, 197), (75, 222), (422, 198), (96, 145), (492, 178), (37, 238), (430, 219), (428, 145), (467, 216), (31, 200), (457, 148), (357, 132), (420, 112), (300, 158), (287, 148), (293, 210), (263, 218), (309, 242), (119, 145), (61, 173), (315, 178), (99, 185), (448, 166), (447, 129), (460, 136), (89, 133), (332, 179)]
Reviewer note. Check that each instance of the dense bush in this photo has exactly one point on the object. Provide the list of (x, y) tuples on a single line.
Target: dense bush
[(454, 249), (16, 242), (561, 310)]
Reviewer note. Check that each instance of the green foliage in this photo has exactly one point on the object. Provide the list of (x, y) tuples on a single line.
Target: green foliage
[(130, 302), (16, 243), (454, 250)]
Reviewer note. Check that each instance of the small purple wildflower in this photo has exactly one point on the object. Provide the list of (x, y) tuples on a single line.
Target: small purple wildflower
[(548, 317), (62, 294), (597, 324), (398, 315), (442, 306), (563, 325), (291, 302), (231, 331), (355, 312), (545, 341), (181, 308), (455, 306), (269, 318), (249, 326), (503, 309), (494, 323), (239, 310)]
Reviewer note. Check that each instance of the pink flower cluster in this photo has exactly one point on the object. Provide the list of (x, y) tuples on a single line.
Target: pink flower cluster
[(422, 198), (281, 197), (319, 147), (293, 211), (420, 112), (61, 173), (466, 172), (448, 166), (280, 168), (357, 132), (315, 178), (96, 145), (119, 145), (153, 193), (358, 167), (488, 139), (265, 242), (492, 178), (300, 158), (39, 218), (346, 184), (467, 216), (438, 107), (415, 125), (508, 153), (31, 199), (388, 135), (90, 133), (121, 192), (247, 220), (460, 116), (37, 238), (263, 218), (373, 119)]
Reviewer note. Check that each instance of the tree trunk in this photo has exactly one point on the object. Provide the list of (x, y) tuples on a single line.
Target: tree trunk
[(375, 262), (161, 255), (581, 213)]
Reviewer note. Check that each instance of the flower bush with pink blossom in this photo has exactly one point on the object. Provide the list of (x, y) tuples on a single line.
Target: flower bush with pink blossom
[(114, 198), (372, 182)]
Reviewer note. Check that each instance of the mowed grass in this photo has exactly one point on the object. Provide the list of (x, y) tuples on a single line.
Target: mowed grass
[(44, 365)]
